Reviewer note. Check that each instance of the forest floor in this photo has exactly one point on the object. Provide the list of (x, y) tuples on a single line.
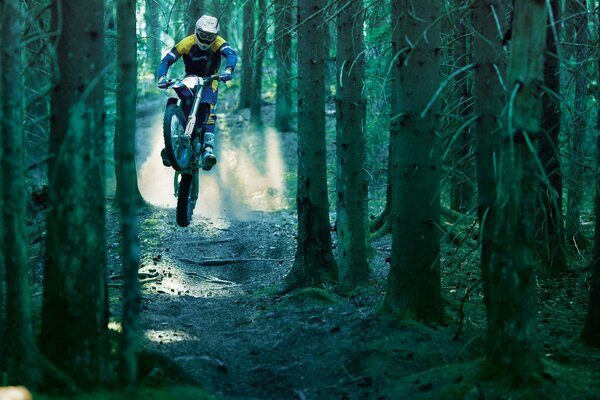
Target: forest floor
[(212, 316)]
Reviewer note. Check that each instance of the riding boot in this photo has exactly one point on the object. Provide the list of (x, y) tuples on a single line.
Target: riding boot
[(208, 157), (165, 158)]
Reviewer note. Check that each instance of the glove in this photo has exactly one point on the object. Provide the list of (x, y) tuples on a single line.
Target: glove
[(162, 82), (228, 75)]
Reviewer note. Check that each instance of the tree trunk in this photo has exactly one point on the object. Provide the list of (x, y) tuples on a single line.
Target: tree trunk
[(462, 175), (37, 80), (283, 57), (21, 349), (578, 35), (512, 350), (195, 9), (126, 171), (126, 176), (259, 57), (549, 230), (2, 255), (314, 264), (247, 91), (592, 323), (490, 98), (153, 43), (414, 285), (351, 145), (75, 269)]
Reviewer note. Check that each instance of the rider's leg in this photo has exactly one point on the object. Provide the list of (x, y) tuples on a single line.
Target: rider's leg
[(209, 101)]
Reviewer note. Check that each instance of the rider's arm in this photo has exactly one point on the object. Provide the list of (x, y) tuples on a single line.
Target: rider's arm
[(166, 62), (183, 47), (229, 54)]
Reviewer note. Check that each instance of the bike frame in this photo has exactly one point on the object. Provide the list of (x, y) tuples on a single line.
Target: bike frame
[(191, 83)]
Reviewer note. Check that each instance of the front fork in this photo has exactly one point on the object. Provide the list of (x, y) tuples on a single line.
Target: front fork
[(196, 142), (191, 124)]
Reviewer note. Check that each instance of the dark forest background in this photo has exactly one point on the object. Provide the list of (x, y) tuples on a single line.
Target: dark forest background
[(457, 132)]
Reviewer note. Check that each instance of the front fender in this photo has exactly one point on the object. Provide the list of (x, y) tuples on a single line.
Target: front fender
[(172, 100)]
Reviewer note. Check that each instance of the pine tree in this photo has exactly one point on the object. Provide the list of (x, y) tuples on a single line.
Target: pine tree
[(550, 231), (490, 73), (283, 56), (462, 193), (21, 351), (259, 57), (351, 148), (414, 285), (314, 263), (512, 350), (75, 268), (195, 9), (247, 88), (153, 43), (591, 328), (128, 198), (577, 34), (2, 255)]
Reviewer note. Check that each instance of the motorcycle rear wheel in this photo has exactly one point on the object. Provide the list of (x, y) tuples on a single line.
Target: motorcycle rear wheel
[(177, 145), (185, 202)]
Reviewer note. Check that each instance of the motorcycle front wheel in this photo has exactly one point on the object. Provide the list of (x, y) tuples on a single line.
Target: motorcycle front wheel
[(185, 200), (177, 144)]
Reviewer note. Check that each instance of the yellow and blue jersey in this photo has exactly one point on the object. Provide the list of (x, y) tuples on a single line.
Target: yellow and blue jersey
[(199, 62)]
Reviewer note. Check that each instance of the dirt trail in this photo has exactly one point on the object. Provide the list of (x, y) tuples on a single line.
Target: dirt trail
[(209, 303)]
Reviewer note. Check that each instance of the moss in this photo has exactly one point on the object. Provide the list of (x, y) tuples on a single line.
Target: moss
[(465, 381), (151, 223), (314, 294)]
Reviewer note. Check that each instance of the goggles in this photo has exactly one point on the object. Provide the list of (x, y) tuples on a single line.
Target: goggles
[(205, 37)]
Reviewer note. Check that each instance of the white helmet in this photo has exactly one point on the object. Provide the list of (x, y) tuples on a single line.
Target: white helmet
[(207, 29)]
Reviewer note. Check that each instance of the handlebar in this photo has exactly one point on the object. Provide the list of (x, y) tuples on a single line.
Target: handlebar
[(206, 79)]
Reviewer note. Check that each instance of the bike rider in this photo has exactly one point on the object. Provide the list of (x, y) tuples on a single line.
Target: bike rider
[(201, 53)]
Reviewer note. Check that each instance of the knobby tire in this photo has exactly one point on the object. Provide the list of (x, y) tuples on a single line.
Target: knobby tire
[(184, 203), (174, 110)]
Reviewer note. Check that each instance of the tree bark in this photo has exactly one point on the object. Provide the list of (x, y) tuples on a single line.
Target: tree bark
[(490, 98), (126, 176), (36, 103), (21, 349), (247, 90), (129, 194), (578, 35), (512, 350), (153, 43), (314, 264), (352, 184), (195, 9), (463, 171), (259, 57), (550, 232), (2, 255), (283, 56), (414, 285), (591, 328), (75, 269)]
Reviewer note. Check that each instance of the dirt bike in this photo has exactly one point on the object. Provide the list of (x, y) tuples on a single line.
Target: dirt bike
[(183, 142)]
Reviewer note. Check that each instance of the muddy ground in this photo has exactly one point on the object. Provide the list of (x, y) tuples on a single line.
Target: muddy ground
[(210, 305)]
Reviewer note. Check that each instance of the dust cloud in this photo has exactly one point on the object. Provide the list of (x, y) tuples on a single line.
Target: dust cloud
[(248, 177)]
